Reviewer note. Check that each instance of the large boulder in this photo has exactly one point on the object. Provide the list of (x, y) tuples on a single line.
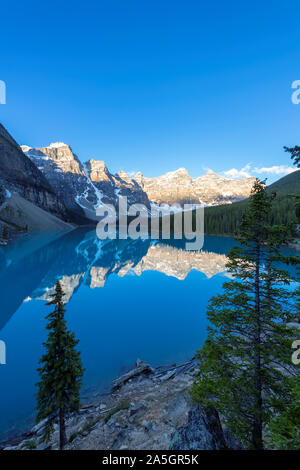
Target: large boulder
[(202, 432)]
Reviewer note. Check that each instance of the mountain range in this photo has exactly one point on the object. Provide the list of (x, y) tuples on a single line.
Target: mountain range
[(226, 219), (90, 184), (49, 187)]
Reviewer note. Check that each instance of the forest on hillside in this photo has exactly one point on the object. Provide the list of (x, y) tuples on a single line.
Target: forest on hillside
[(225, 219)]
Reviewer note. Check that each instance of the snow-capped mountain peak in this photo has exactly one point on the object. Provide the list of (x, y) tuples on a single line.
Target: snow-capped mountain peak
[(57, 145), (90, 184)]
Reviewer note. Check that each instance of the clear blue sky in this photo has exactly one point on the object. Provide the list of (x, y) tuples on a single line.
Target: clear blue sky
[(154, 85)]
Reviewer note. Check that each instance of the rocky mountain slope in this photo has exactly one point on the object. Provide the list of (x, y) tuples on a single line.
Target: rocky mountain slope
[(27, 199), (23, 214), (149, 409), (19, 174), (226, 219), (65, 173), (88, 185), (178, 187), (92, 184), (54, 179)]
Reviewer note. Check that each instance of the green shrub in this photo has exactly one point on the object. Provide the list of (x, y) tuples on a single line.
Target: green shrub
[(29, 444), (122, 406), (73, 436)]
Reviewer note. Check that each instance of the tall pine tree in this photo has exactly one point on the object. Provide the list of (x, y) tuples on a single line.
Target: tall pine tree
[(246, 359), (60, 372), (285, 427), (295, 156)]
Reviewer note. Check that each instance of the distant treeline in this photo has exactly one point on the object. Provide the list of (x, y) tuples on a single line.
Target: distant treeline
[(225, 219)]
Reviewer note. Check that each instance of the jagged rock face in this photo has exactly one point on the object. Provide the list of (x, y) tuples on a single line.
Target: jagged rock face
[(202, 432), (216, 189), (19, 174), (178, 187), (66, 175), (88, 185), (159, 416), (98, 171), (114, 186), (91, 185)]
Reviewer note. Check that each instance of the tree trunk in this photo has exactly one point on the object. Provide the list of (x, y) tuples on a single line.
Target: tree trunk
[(62, 429), (257, 440)]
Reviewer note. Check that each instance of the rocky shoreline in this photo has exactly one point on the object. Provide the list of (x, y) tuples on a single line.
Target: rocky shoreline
[(147, 409)]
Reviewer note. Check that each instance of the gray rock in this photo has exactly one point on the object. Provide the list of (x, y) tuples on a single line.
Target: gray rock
[(231, 442), (141, 368), (19, 174), (38, 428), (168, 376), (202, 432), (147, 425), (137, 408), (79, 185), (178, 187)]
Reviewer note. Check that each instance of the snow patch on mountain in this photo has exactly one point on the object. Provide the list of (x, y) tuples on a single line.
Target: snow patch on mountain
[(57, 145), (91, 185)]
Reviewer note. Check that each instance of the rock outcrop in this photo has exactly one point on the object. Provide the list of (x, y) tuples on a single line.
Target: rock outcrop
[(23, 216), (84, 186), (114, 186), (91, 184), (141, 368), (66, 174), (177, 187), (203, 431), (147, 412), (19, 174)]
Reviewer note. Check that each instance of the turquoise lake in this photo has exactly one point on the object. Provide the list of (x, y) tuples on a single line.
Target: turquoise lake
[(126, 300)]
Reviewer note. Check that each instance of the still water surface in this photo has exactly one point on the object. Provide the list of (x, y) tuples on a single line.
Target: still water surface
[(126, 300)]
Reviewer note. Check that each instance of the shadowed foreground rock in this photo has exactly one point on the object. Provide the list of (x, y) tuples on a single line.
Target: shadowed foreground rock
[(150, 409), (203, 431)]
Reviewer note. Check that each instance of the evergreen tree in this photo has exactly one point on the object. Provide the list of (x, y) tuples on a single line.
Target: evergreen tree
[(295, 154), (248, 344), (285, 427), (60, 372)]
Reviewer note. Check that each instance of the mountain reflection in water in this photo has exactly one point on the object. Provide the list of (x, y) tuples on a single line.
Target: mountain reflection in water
[(126, 300), (28, 270)]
